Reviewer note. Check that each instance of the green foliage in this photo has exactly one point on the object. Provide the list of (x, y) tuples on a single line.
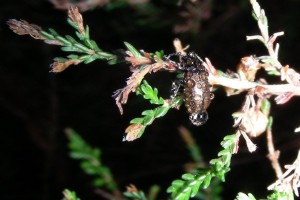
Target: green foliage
[(190, 183), (148, 116), (133, 193), (153, 192), (276, 195), (266, 107), (83, 49), (87, 49), (215, 187), (70, 195), (160, 54), (260, 17), (243, 196), (150, 93), (90, 161), (137, 195), (212, 192), (136, 53), (195, 153)]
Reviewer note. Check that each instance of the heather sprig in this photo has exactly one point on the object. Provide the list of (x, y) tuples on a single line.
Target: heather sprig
[(70, 195), (83, 49), (251, 120), (137, 125), (190, 183), (90, 161)]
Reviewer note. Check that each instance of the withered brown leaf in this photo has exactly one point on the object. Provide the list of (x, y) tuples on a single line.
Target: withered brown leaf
[(75, 16), (57, 67), (132, 131), (22, 27)]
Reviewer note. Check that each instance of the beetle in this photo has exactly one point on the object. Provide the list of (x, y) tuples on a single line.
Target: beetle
[(194, 86)]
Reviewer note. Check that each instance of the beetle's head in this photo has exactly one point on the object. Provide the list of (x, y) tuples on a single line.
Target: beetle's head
[(199, 118)]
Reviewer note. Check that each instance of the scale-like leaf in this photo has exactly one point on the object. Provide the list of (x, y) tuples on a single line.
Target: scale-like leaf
[(133, 50)]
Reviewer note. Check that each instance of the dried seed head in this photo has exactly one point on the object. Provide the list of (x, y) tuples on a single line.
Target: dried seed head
[(132, 132), (57, 67), (248, 67), (255, 123)]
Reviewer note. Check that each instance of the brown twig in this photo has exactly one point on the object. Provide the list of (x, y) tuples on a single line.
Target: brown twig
[(216, 78), (273, 154), (121, 95), (22, 27), (290, 179)]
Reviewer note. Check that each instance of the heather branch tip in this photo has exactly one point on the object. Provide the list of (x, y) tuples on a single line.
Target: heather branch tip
[(75, 16), (22, 27)]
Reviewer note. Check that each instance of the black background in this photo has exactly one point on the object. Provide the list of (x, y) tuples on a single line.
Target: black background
[(36, 106)]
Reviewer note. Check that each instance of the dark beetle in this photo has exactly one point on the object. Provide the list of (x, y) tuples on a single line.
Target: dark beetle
[(196, 88)]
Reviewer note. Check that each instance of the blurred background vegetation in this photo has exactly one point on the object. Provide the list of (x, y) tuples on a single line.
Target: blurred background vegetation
[(36, 106)]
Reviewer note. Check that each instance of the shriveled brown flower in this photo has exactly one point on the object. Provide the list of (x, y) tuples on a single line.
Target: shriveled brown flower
[(22, 27), (132, 188), (75, 16), (290, 179), (57, 67), (251, 119), (292, 76), (121, 95), (138, 61), (255, 122), (248, 67), (132, 131)]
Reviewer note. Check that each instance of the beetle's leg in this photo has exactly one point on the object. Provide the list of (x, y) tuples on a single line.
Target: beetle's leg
[(167, 57), (177, 88), (192, 54), (175, 59)]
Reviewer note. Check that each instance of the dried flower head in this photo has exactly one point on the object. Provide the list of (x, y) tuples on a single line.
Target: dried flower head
[(22, 27), (248, 67), (251, 119), (132, 131), (57, 66), (75, 16), (132, 188)]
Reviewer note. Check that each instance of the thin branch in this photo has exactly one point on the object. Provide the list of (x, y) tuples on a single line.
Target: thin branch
[(238, 84), (290, 179), (273, 154)]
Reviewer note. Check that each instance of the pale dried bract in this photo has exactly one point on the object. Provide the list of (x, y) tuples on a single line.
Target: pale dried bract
[(75, 16), (133, 82), (22, 27), (132, 132), (57, 67)]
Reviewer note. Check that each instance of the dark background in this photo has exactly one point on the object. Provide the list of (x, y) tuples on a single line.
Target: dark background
[(36, 106)]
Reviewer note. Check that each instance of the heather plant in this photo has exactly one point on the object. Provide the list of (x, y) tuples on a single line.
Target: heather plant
[(252, 120)]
